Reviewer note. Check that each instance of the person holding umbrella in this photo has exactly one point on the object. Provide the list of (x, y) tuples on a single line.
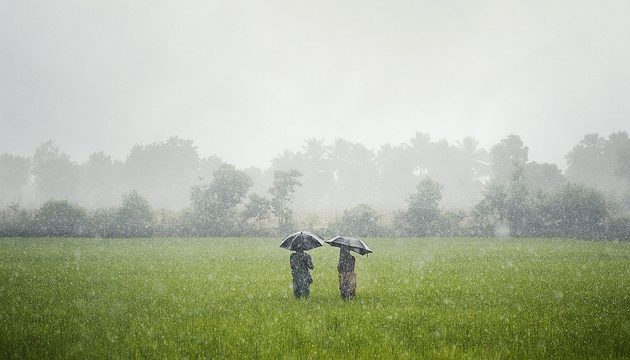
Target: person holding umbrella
[(347, 277), (301, 262)]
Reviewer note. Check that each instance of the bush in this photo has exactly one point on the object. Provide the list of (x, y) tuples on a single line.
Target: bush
[(102, 223), (361, 220), (135, 217), (60, 218), (619, 229), (214, 207), (15, 221), (422, 217), (577, 211)]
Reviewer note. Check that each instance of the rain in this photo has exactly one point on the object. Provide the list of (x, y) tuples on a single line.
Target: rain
[(314, 180)]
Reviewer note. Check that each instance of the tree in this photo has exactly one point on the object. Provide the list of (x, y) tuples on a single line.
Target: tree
[(356, 173), (135, 217), (396, 180), (475, 159), (60, 218), (453, 223), (104, 223), (517, 210), (542, 176), (165, 171), (422, 217), (597, 162), (506, 209), (458, 168), (284, 185), (623, 168), (316, 152), (361, 220), (207, 167), (586, 161), (100, 181), (14, 171), (16, 221), (578, 211), (318, 182), (258, 209), (214, 206), (508, 155), (617, 153), (491, 211), (56, 177)]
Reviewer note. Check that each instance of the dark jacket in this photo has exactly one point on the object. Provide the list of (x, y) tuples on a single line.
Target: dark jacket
[(301, 263), (346, 262)]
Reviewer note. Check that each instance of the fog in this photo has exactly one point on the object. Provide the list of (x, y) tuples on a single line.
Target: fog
[(247, 80), (255, 117)]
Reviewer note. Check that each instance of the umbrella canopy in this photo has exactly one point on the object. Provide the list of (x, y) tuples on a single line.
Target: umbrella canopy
[(354, 244), (302, 240)]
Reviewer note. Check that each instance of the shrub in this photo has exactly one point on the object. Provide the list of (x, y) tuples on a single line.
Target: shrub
[(361, 220), (135, 217), (60, 218)]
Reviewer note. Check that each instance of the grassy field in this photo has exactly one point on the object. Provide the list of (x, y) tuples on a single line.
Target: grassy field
[(231, 298)]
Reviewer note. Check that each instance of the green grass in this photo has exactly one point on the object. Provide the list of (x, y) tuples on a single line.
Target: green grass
[(231, 298)]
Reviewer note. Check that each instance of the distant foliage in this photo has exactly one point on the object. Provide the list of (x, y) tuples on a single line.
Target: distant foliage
[(601, 163), (214, 209), (422, 187), (135, 217), (572, 211), (15, 221), (507, 156), (164, 171), (542, 177), (284, 185), (100, 182), (60, 218), (422, 217), (490, 212), (578, 212), (103, 223), (14, 173), (618, 229), (361, 221), (257, 210), (56, 177)]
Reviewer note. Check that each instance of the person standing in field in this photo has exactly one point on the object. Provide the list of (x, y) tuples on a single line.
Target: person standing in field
[(301, 265), (347, 277)]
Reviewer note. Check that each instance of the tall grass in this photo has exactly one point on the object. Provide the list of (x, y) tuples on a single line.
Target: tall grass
[(231, 298)]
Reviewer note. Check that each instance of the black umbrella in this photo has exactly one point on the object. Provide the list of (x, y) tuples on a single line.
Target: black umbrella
[(354, 244), (302, 240)]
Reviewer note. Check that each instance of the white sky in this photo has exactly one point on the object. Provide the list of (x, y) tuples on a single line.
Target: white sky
[(248, 79)]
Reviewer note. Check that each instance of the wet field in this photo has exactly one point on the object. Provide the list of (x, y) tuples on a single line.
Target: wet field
[(232, 298)]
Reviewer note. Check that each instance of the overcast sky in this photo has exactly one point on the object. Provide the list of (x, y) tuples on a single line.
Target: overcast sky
[(248, 79)]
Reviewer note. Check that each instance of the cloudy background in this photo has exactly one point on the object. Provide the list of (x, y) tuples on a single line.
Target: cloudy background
[(248, 79)]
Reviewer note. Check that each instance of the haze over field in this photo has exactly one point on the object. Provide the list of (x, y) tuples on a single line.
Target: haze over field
[(170, 172), (246, 80), (247, 118)]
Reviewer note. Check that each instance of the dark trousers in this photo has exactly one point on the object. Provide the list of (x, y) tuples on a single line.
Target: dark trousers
[(347, 285), (302, 286)]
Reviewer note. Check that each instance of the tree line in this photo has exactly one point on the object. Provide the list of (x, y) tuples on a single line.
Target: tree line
[(419, 188)]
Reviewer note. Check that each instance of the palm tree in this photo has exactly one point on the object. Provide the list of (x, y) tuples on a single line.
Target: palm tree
[(318, 183), (474, 157), (315, 151)]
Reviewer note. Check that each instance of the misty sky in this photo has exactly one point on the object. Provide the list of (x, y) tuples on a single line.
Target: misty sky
[(248, 79)]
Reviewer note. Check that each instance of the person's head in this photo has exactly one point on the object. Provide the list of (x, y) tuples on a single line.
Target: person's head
[(344, 250)]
